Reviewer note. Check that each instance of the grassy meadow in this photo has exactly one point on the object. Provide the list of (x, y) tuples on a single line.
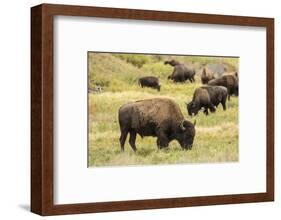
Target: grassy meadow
[(216, 137)]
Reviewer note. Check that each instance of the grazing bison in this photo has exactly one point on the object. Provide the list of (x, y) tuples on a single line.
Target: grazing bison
[(206, 77), (228, 81), (150, 81), (181, 72), (207, 97), (157, 117)]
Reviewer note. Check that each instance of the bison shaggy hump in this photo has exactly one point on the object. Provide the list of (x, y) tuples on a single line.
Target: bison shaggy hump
[(157, 117)]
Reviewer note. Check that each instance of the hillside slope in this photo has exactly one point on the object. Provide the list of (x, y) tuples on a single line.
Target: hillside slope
[(106, 69)]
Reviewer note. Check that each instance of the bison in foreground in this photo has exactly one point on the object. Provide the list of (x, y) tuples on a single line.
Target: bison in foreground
[(181, 72), (228, 81), (157, 117), (207, 97), (150, 81), (206, 77)]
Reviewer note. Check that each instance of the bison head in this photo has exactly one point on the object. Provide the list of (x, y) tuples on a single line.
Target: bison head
[(171, 62), (192, 108), (186, 134)]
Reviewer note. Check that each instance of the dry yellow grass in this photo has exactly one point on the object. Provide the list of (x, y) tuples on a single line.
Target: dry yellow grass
[(216, 135)]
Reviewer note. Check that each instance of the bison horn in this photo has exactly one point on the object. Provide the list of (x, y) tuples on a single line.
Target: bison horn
[(182, 126)]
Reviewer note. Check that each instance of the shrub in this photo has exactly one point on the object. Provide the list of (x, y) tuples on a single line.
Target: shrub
[(137, 60)]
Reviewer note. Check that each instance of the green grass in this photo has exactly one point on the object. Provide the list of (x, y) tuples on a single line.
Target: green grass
[(216, 137)]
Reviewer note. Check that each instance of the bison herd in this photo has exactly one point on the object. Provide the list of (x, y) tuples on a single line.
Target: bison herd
[(162, 117)]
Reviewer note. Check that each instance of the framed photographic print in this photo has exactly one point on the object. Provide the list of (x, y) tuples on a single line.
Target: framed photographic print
[(138, 109)]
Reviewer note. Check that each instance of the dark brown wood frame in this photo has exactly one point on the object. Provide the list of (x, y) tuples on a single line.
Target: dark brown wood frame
[(42, 109)]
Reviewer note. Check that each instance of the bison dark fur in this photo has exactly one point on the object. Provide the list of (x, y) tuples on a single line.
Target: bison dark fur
[(150, 81), (157, 117), (181, 72), (207, 97), (228, 81), (206, 77)]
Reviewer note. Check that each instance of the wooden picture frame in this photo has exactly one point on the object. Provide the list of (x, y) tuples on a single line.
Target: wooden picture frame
[(42, 120)]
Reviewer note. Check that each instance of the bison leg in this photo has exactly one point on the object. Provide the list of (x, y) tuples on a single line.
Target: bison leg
[(206, 111), (122, 139), (212, 107), (190, 79), (228, 94), (162, 140), (132, 140), (223, 103)]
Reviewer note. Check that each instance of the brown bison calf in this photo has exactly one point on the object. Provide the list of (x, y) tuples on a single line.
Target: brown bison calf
[(157, 117), (150, 81)]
